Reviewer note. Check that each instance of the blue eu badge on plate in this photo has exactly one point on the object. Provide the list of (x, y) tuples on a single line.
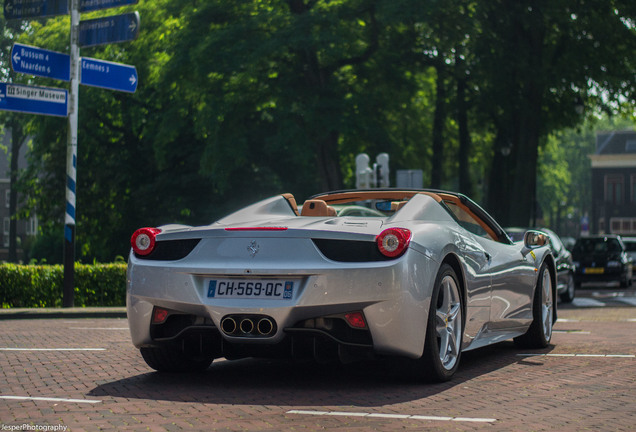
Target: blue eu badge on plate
[(212, 288), (289, 290)]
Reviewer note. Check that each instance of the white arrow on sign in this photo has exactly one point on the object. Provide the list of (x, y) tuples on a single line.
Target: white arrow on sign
[(132, 80), (16, 57)]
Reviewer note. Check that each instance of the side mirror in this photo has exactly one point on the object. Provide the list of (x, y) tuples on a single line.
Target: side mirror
[(535, 239)]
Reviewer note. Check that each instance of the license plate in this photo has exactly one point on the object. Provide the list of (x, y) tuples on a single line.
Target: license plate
[(594, 270), (267, 289)]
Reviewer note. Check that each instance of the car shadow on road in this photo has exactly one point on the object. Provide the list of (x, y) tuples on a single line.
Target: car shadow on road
[(280, 382)]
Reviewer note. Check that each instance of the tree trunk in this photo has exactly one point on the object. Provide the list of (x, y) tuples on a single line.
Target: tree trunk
[(524, 211), (317, 78), (329, 163), (512, 192), (465, 185), (16, 142), (499, 189), (438, 131)]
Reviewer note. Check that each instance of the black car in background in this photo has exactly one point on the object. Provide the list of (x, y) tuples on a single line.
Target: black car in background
[(563, 257), (602, 258), (630, 245)]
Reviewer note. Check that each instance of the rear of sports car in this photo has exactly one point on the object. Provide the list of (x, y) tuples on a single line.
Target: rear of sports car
[(328, 288)]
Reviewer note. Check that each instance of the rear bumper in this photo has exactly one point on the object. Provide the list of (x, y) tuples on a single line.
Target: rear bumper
[(394, 306), (328, 340)]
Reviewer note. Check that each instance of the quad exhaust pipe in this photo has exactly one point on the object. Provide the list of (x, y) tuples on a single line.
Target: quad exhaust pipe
[(248, 326)]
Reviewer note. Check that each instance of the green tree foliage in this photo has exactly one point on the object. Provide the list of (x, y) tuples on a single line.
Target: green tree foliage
[(238, 100), (536, 61), (564, 183)]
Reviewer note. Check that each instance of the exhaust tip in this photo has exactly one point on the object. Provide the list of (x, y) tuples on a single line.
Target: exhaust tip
[(247, 326), (228, 325), (265, 326)]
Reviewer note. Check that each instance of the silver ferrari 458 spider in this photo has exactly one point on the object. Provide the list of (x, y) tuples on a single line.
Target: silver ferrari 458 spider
[(422, 276)]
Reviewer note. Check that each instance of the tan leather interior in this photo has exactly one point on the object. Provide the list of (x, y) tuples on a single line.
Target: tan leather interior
[(292, 202), (317, 208), (397, 205)]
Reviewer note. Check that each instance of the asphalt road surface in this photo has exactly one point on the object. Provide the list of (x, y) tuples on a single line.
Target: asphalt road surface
[(70, 374)]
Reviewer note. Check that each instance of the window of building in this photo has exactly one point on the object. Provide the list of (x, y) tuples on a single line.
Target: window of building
[(7, 197), (623, 226), (32, 226), (6, 225), (632, 194), (614, 188)]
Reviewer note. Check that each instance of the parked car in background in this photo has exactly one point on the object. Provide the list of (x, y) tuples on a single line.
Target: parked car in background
[(630, 245), (563, 257), (602, 258), (568, 242)]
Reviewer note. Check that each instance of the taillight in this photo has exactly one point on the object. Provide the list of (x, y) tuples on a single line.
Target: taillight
[(392, 242), (143, 240)]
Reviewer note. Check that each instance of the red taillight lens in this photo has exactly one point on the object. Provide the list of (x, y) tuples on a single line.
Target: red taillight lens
[(143, 240), (392, 242), (356, 319)]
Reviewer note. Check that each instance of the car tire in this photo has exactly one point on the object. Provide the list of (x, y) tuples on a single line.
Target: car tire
[(570, 291), (539, 333), (444, 330), (172, 359)]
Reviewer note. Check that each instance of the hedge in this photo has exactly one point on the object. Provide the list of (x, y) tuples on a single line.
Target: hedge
[(23, 286)]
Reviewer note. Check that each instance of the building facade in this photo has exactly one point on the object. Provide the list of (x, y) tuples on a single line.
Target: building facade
[(24, 228), (614, 184)]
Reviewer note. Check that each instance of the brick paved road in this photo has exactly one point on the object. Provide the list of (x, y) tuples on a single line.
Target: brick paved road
[(109, 387)]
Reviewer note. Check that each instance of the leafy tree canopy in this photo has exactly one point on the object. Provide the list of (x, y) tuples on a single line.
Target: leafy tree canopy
[(240, 100)]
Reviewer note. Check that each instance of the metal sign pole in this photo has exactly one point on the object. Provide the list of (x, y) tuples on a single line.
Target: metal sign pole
[(71, 162)]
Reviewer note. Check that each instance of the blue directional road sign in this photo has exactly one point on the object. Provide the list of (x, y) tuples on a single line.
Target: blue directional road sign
[(33, 100), (112, 29), (91, 5), (37, 61), (108, 75), (19, 9)]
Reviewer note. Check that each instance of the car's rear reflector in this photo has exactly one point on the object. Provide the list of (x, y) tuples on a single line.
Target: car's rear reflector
[(159, 315), (356, 319)]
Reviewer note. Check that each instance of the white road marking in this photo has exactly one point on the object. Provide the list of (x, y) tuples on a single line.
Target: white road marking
[(48, 399), (392, 416), (587, 302), (52, 349), (629, 300), (572, 332), (579, 355)]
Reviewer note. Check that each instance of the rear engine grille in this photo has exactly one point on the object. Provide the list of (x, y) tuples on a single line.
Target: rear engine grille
[(171, 250), (350, 250)]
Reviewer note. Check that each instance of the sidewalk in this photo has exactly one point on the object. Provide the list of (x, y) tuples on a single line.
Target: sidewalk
[(76, 312)]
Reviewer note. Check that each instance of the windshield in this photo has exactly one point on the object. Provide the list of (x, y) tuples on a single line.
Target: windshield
[(599, 246)]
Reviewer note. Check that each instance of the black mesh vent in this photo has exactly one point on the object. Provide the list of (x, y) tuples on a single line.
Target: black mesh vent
[(171, 250), (350, 250)]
